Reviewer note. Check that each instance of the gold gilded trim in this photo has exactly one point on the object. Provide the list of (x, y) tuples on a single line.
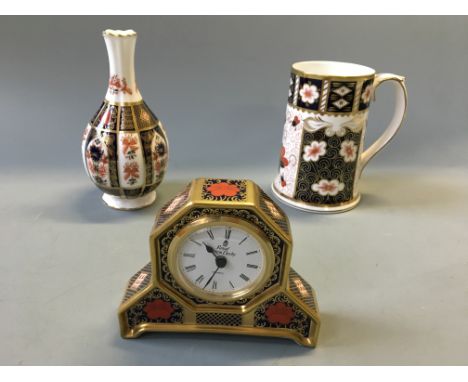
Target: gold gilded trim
[(116, 103), (335, 78), (236, 330), (126, 131), (331, 113), (211, 221), (119, 33), (357, 98)]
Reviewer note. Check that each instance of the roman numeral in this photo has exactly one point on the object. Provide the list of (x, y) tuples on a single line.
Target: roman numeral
[(252, 266), (210, 234), (190, 268), (244, 277), (251, 252), (227, 233), (196, 242), (231, 284), (199, 279), (244, 239), (214, 285), (189, 255)]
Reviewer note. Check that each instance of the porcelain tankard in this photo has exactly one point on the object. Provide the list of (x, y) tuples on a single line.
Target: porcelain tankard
[(322, 154)]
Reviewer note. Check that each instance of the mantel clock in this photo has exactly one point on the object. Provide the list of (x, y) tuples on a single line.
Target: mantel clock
[(220, 262)]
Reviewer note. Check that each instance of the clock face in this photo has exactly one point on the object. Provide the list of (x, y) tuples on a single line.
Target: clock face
[(222, 260)]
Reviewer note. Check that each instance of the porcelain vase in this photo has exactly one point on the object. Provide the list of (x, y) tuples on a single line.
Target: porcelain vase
[(124, 146)]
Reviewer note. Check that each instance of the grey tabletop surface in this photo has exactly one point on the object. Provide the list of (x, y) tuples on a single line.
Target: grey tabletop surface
[(390, 275)]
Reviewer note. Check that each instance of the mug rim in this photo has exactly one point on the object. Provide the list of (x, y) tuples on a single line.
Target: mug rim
[(303, 68)]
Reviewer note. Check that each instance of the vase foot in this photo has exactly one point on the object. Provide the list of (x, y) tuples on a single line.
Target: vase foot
[(122, 204)]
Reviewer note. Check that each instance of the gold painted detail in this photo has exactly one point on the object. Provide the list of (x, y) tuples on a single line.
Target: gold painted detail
[(225, 319), (275, 241), (300, 73), (172, 206), (275, 212), (119, 33), (154, 307), (131, 291), (281, 312), (301, 289), (133, 116)]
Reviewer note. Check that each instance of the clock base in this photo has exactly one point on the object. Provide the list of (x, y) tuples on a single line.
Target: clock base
[(289, 312)]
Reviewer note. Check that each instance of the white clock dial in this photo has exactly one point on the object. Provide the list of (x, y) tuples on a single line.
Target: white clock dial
[(221, 259)]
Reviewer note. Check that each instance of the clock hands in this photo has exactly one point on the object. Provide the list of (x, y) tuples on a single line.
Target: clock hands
[(221, 261), (211, 278), (210, 249)]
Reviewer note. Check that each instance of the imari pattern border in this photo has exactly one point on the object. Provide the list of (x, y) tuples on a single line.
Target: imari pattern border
[(226, 190), (129, 118), (331, 95)]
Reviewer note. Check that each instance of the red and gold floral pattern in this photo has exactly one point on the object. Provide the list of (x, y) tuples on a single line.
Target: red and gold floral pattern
[(129, 145), (279, 313), (97, 162), (131, 172), (155, 306), (158, 309), (224, 189), (159, 154)]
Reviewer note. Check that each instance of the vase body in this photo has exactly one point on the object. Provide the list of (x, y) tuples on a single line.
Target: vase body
[(124, 146)]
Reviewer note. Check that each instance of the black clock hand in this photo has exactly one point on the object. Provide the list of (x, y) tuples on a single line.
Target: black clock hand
[(210, 249), (211, 278)]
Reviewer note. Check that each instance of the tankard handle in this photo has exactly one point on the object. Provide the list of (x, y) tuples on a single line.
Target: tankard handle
[(401, 103)]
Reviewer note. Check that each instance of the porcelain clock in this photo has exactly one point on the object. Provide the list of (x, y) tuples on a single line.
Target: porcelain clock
[(220, 254)]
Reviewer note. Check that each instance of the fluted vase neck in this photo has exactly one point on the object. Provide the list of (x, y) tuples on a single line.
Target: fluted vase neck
[(122, 86)]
